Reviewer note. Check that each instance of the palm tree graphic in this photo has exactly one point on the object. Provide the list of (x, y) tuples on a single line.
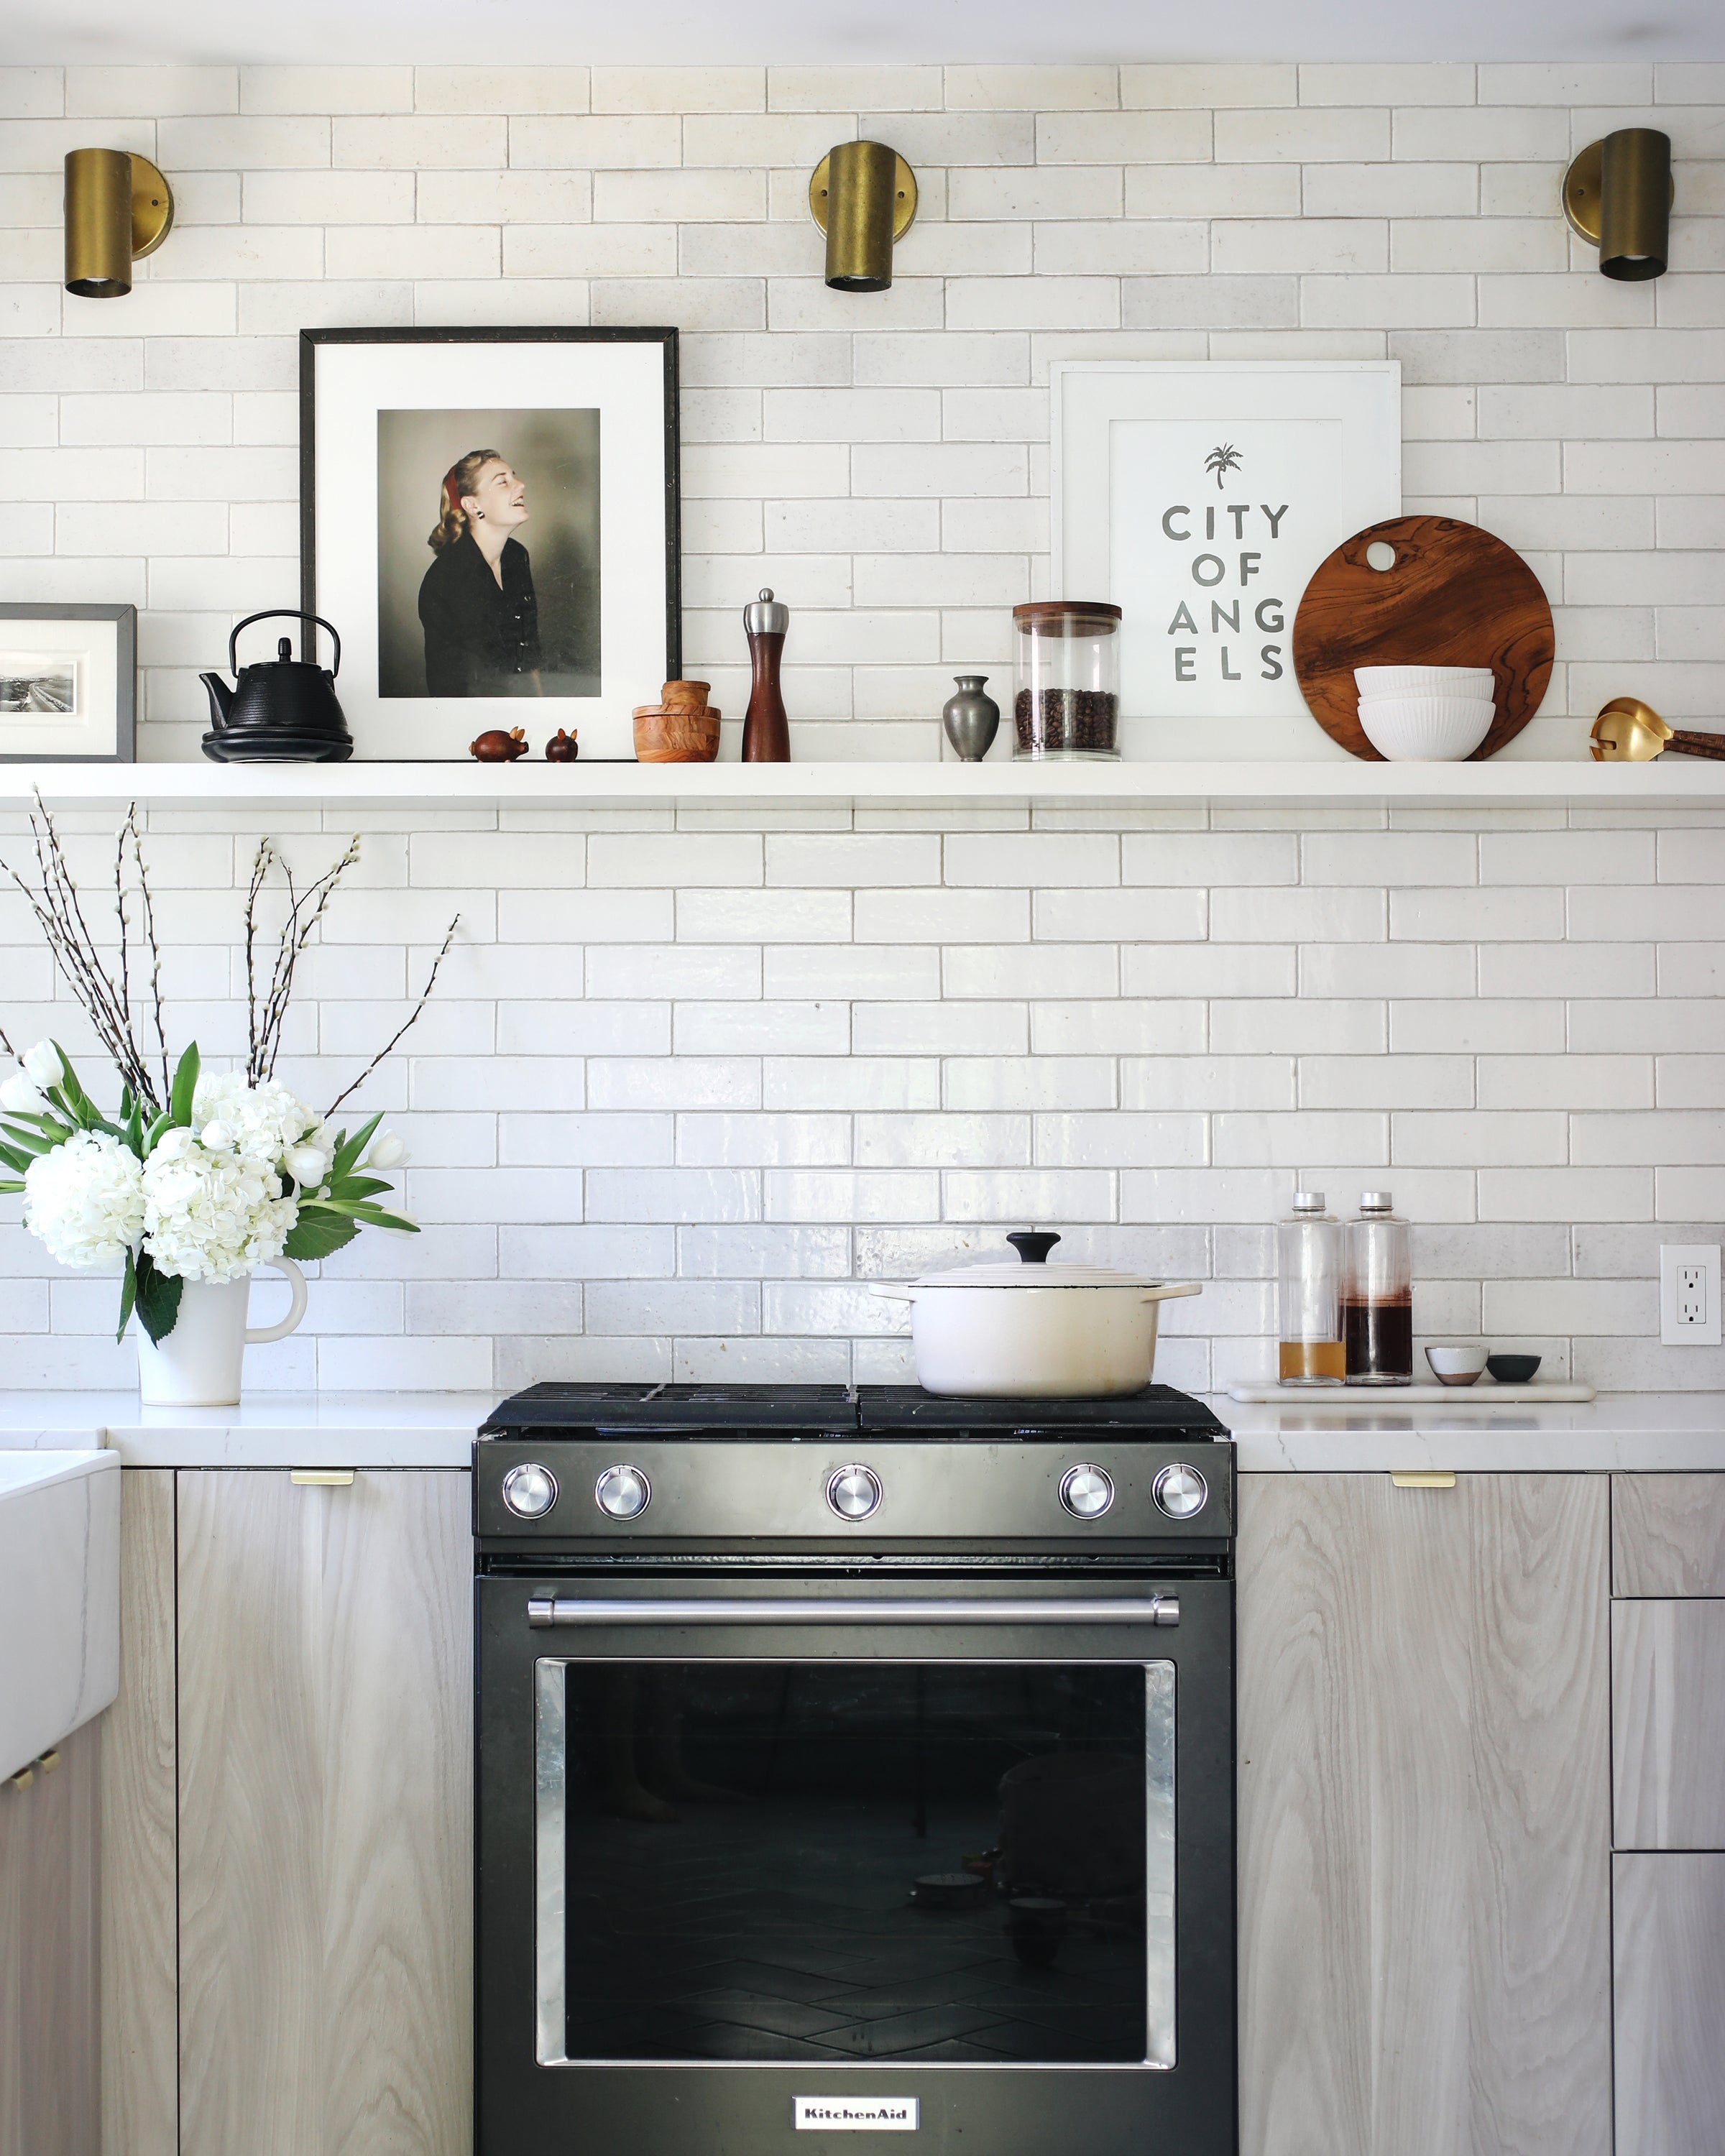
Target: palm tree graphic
[(1221, 461)]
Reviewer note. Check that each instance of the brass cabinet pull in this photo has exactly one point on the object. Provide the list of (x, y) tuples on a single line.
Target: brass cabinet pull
[(1424, 1478), (321, 1478)]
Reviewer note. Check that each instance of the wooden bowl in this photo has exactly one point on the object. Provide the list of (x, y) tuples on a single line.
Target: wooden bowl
[(664, 736), (685, 696)]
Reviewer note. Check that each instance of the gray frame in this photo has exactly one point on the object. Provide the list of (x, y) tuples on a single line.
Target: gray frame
[(126, 672)]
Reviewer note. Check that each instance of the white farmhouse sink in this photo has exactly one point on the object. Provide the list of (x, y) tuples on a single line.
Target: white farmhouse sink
[(59, 1597)]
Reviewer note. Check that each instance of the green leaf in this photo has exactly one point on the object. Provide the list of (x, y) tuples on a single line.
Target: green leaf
[(349, 1149), (158, 1298), (127, 1104), (7, 1190), (185, 1087), (133, 1133), (128, 1295), (155, 1131), (316, 1236), (18, 1163), (358, 1186), (28, 1142)]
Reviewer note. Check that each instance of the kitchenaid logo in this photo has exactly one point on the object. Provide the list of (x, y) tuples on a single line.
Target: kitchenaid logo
[(855, 2114)]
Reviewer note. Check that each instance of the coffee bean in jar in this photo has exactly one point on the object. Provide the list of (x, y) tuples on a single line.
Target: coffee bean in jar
[(1067, 686)]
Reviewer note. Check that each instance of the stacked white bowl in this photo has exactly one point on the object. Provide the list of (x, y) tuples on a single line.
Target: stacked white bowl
[(1424, 714)]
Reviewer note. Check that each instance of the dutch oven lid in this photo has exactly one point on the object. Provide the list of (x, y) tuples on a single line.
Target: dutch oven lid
[(1033, 1270)]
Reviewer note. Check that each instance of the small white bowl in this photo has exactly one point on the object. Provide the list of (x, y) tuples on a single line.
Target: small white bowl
[(1456, 1366), (1423, 680), (1425, 729)]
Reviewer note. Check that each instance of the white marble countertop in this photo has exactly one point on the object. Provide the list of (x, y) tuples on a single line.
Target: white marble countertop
[(1650, 1432), (268, 1429)]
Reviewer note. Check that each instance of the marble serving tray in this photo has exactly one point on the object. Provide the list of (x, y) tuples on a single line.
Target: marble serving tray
[(1485, 1395)]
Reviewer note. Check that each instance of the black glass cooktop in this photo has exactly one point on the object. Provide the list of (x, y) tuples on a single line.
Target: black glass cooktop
[(733, 1411)]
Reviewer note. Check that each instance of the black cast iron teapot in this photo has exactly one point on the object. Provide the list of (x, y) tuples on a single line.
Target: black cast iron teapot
[(284, 709)]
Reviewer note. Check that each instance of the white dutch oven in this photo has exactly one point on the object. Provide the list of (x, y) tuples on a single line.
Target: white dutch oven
[(1039, 1330)]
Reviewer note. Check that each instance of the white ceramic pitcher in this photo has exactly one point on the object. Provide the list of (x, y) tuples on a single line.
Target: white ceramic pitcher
[(197, 1365)]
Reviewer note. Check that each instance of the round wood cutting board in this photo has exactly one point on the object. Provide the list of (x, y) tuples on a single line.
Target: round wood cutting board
[(1453, 596)]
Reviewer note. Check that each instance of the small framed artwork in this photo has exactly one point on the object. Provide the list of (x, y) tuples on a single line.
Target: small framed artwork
[(490, 517), (1200, 496), (68, 683)]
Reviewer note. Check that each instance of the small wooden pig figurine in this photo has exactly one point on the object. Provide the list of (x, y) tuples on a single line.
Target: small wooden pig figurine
[(561, 747), (497, 747)]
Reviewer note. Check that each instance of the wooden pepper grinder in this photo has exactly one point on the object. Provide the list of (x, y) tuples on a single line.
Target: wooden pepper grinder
[(766, 736)]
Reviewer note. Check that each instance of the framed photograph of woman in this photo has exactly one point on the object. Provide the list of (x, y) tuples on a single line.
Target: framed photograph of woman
[(490, 517)]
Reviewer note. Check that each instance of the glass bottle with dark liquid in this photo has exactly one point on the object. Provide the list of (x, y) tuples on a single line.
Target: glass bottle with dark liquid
[(1377, 1296)]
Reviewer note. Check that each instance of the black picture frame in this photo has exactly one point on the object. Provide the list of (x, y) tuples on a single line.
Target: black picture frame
[(665, 337), (124, 618)]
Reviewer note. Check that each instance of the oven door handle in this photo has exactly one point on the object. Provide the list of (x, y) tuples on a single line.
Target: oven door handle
[(545, 1611)]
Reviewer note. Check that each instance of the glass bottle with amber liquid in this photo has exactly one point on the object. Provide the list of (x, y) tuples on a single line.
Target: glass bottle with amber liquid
[(1309, 1294), (1377, 1294)]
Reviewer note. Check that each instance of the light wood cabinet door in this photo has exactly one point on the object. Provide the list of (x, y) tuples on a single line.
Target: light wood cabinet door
[(50, 2072), (325, 1815), (1424, 1817), (1668, 1534), (1669, 1919), (140, 1971), (1668, 1724)]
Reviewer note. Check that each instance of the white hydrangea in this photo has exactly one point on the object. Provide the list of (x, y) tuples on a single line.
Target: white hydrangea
[(211, 1216), (260, 1121), (86, 1200)]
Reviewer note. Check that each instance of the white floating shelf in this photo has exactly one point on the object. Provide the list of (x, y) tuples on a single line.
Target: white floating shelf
[(1671, 783)]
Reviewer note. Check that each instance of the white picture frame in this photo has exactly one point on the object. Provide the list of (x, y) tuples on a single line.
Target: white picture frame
[(1208, 587), (68, 683)]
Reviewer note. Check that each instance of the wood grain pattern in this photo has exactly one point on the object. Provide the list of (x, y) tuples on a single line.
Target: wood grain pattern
[(140, 1975), (1668, 1534), (1668, 1921), (51, 2053), (1456, 597), (1668, 1724), (1424, 1817), (325, 1829)]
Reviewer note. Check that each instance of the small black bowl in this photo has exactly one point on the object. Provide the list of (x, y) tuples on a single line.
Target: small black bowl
[(1512, 1369)]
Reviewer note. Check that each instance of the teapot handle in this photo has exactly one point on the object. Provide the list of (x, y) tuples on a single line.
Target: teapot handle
[(291, 613)]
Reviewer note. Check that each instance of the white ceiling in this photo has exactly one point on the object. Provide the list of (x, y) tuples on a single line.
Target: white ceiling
[(644, 32)]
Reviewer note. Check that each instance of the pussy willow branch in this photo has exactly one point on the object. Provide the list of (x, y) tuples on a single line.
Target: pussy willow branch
[(60, 914), (305, 910), (411, 1020), (260, 868), (155, 949)]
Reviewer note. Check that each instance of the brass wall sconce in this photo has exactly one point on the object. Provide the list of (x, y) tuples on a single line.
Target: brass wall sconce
[(119, 208), (863, 196), (1617, 196)]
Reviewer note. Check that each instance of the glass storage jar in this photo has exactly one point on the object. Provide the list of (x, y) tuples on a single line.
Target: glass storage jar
[(1377, 1294), (1066, 678), (1309, 1294)]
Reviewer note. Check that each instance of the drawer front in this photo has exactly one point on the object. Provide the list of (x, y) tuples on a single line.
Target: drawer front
[(1668, 1724), (1668, 1923), (1668, 1534)]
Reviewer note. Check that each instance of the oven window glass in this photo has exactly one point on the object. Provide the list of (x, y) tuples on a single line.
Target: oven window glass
[(951, 1863)]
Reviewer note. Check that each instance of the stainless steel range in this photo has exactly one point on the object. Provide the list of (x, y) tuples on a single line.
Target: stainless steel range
[(855, 1763)]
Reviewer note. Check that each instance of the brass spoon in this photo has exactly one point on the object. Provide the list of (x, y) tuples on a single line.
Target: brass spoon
[(1630, 732)]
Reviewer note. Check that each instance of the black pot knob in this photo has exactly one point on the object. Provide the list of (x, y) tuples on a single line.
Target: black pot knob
[(1033, 1247)]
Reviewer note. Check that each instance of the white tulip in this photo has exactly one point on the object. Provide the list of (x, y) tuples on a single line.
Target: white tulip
[(388, 1151), (18, 1096), (215, 1136), (43, 1062), (307, 1163), (172, 1144)]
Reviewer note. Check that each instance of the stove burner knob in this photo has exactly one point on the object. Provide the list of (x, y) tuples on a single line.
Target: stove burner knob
[(1180, 1492), (622, 1493), (853, 1492), (530, 1490), (1087, 1491)]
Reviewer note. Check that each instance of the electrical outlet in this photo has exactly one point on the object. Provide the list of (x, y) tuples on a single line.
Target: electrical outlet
[(1689, 1295)]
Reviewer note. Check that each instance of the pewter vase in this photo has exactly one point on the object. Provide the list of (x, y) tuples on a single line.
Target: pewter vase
[(970, 718)]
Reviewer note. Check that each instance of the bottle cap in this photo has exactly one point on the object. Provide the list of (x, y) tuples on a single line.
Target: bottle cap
[(1308, 1201), (1375, 1201)]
